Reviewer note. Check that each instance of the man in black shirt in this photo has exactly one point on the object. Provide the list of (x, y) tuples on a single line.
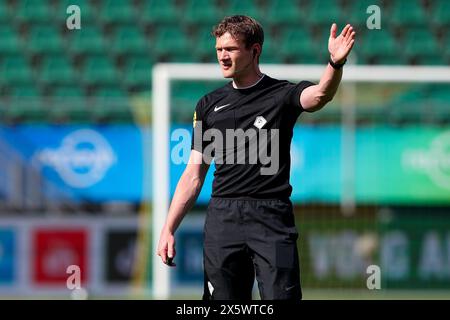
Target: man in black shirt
[(247, 127)]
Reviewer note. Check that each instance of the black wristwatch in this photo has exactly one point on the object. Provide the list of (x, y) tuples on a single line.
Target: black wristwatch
[(336, 66)]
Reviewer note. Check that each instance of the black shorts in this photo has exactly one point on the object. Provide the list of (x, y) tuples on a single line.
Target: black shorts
[(248, 237)]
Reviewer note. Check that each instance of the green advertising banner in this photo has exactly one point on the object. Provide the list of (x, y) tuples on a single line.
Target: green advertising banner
[(415, 250), (335, 251), (408, 247), (374, 165), (411, 250), (403, 165)]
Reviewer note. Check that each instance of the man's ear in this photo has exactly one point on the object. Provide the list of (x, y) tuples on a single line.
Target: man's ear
[(256, 51)]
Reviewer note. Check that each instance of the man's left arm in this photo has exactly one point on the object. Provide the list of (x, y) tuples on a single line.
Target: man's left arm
[(314, 97)]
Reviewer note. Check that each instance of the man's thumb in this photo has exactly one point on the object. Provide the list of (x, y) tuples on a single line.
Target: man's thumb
[(333, 30)]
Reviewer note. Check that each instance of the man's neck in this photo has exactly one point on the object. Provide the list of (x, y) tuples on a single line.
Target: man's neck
[(247, 80)]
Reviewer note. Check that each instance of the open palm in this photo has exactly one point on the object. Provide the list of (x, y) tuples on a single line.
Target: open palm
[(341, 46)]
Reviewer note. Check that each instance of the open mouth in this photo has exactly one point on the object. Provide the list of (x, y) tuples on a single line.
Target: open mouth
[(226, 66)]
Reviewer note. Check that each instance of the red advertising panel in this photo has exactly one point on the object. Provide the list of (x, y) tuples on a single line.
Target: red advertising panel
[(56, 250)]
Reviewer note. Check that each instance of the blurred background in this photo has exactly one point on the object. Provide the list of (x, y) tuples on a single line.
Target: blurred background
[(75, 146)]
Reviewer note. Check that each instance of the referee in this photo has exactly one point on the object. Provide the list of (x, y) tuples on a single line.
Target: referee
[(249, 228)]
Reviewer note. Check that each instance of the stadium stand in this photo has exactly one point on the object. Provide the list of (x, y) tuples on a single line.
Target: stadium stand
[(120, 40)]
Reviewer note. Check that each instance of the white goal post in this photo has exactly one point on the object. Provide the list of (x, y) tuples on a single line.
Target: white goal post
[(163, 74)]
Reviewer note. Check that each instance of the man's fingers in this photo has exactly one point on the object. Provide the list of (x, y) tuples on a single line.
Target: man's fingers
[(171, 250), (163, 255), (350, 33), (166, 248), (349, 37), (345, 30), (350, 45)]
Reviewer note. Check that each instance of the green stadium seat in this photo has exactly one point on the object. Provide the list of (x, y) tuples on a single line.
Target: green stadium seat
[(249, 7), (68, 92), (204, 44), (109, 93), (409, 107), (445, 45), (324, 13), (321, 43), (160, 12), (68, 105), (271, 50), (87, 40), (211, 58), (10, 41), (360, 59), (185, 95), (4, 11), (379, 44), (402, 114), (25, 91), (44, 40), (99, 70), (285, 12), (129, 39), (192, 90), (34, 11), (390, 60), (297, 42), (432, 60), (420, 43), (56, 70), (137, 72), (308, 59), (117, 11), (202, 12), (439, 99), (26, 105), (370, 115), (15, 70), (268, 58), (111, 104), (440, 13), (170, 40), (182, 57), (407, 13)]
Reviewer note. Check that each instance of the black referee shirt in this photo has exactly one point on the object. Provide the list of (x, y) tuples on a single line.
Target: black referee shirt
[(238, 125)]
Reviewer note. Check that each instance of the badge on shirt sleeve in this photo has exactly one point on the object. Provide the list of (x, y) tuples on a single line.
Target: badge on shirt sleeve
[(194, 120), (259, 122)]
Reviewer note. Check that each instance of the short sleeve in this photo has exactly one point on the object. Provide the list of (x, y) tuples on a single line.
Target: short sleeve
[(292, 97), (199, 126)]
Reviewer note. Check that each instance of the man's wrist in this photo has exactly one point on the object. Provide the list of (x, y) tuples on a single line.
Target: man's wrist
[(168, 230), (337, 64)]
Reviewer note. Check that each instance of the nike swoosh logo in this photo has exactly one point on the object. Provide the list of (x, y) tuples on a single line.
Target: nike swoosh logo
[(290, 288), (218, 108)]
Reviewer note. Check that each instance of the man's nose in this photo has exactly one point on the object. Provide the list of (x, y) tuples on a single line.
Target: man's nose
[(223, 55)]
